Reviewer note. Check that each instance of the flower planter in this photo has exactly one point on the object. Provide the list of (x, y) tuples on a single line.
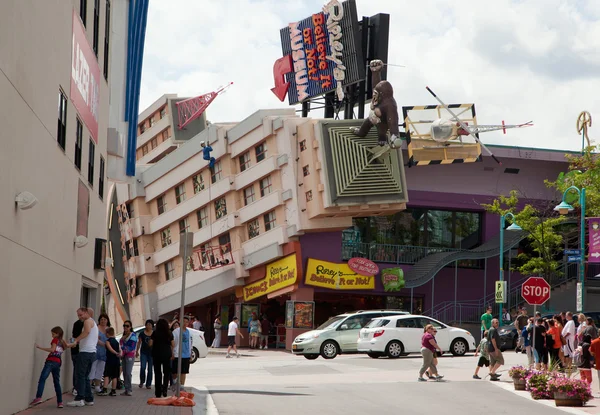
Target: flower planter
[(520, 384), (562, 399)]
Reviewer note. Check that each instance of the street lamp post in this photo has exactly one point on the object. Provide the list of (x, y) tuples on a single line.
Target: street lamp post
[(512, 227), (563, 208)]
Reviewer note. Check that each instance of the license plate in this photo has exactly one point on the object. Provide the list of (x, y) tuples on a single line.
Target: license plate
[(294, 346)]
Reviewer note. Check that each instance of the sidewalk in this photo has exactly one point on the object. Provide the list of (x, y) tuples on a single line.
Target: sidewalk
[(132, 405), (247, 352)]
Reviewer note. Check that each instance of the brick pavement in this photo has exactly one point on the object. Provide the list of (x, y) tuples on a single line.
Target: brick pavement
[(130, 405)]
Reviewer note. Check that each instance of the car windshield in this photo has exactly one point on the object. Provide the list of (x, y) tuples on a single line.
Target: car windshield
[(378, 322), (332, 323)]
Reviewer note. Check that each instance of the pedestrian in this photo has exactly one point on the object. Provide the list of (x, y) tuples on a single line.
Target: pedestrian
[(506, 317), (496, 358), (569, 334), (97, 372), (540, 353), (112, 369), (582, 320), (186, 352), (52, 365), (87, 340), (526, 336), (520, 323), (484, 359), (144, 352), (197, 324), (162, 344), (591, 329), (428, 348), (595, 352), (75, 332), (233, 329), (253, 329), (435, 355), (486, 320), (554, 344), (265, 329), (128, 345), (585, 364), (217, 327)]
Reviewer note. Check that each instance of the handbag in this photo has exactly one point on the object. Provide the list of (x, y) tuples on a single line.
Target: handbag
[(563, 341)]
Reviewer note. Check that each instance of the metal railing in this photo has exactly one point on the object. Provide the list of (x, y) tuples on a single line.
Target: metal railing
[(397, 254)]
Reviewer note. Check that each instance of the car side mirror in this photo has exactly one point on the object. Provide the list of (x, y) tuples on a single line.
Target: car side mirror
[(344, 327)]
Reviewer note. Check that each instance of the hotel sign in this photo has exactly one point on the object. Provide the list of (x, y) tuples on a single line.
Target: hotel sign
[(336, 276), (280, 274)]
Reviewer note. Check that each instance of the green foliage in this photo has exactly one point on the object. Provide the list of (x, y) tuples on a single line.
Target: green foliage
[(543, 238)]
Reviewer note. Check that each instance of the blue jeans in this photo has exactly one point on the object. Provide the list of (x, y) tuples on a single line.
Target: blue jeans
[(83, 368), (54, 368), (146, 360)]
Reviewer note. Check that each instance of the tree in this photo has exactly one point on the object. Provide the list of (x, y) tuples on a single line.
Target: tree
[(540, 225)]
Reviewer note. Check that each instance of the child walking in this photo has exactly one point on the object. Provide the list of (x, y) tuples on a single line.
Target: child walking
[(113, 363), (52, 365), (484, 360)]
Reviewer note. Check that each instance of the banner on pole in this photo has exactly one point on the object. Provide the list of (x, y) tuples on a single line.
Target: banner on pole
[(594, 240)]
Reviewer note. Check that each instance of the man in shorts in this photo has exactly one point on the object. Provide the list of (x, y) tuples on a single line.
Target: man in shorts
[(232, 330), (496, 358), (186, 352)]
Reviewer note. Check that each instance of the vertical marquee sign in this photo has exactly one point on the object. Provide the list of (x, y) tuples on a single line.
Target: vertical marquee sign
[(325, 54), (594, 240), (85, 76)]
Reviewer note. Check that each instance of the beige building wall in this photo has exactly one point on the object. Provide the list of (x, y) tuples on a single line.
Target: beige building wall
[(42, 272)]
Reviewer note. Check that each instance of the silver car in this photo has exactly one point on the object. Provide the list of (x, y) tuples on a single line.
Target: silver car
[(337, 335)]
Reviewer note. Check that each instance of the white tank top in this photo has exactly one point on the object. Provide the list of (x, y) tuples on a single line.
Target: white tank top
[(88, 344)]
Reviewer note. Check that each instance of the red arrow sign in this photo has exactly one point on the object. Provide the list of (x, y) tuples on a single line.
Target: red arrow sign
[(536, 291), (281, 67)]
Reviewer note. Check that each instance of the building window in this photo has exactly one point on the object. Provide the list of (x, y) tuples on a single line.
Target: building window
[(161, 203), (144, 149), (184, 226), (180, 193), (154, 143), (225, 243), (244, 161), (129, 208), (202, 215), (152, 122), (248, 195), (198, 182), (302, 145), (265, 186), (253, 228), (205, 251), (216, 172), (220, 208), (165, 237), (101, 179), (96, 26), (261, 152), (136, 250), (189, 264), (165, 135), (91, 160), (163, 112), (78, 144), (61, 135), (83, 11), (142, 127), (270, 220), (305, 171), (106, 39), (169, 270), (309, 196)]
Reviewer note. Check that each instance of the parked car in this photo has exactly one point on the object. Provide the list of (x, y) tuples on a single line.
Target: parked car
[(337, 335), (394, 336), (199, 347)]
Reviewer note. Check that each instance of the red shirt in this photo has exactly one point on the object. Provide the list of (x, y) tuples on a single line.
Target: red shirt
[(55, 356), (425, 341), (595, 348)]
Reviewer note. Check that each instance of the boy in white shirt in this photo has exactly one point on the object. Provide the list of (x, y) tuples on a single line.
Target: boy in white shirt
[(231, 332)]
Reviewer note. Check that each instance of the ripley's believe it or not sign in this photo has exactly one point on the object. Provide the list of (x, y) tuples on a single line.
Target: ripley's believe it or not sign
[(336, 276), (320, 54), (280, 274)]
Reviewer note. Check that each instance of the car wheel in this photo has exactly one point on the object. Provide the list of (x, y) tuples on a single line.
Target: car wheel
[(394, 349), (459, 347), (194, 355), (374, 355), (329, 349), (311, 356)]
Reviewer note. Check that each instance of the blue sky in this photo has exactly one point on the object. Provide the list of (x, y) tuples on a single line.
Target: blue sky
[(517, 60)]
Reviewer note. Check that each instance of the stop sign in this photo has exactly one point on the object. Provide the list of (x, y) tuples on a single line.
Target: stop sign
[(536, 291)]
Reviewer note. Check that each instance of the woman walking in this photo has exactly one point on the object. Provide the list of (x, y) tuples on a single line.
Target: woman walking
[(144, 352), (428, 348), (217, 326), (253, 329), (128, 345), (162, 344), (97, 372)]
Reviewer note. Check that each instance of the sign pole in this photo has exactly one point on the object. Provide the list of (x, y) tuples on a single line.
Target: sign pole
[(185, 245), (533, 331)]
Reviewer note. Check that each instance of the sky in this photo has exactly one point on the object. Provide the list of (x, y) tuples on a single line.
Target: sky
[(517, 60)]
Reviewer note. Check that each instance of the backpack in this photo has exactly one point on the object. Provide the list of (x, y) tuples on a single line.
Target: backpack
[(578, 357)]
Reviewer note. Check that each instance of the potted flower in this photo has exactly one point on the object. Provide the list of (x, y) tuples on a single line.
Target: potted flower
[(519, 375), (537, 383), (569, 392)]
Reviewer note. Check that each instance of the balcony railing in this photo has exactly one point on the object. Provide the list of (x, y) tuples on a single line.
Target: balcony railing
[(397, 254)]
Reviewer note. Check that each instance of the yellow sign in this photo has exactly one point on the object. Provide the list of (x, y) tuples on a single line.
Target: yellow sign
[(336, 276), (280, 274)]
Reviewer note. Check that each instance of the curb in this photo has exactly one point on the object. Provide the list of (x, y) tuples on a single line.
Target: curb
[(223, 353), (209, 405)]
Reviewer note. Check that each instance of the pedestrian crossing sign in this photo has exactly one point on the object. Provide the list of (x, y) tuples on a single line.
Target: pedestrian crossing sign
[(500, 292)]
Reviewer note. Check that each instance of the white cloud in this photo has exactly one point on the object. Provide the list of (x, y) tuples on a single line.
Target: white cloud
[(517, 60)]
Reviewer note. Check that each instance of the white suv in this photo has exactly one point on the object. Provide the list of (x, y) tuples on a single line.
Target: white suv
[(337, 335)]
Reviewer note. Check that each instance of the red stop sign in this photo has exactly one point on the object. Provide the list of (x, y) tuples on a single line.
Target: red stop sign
[(536, 291)]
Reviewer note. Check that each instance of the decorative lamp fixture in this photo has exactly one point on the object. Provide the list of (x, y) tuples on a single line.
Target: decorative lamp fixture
[(563, 208), (514, 227), (25, 200), (80, 241)]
